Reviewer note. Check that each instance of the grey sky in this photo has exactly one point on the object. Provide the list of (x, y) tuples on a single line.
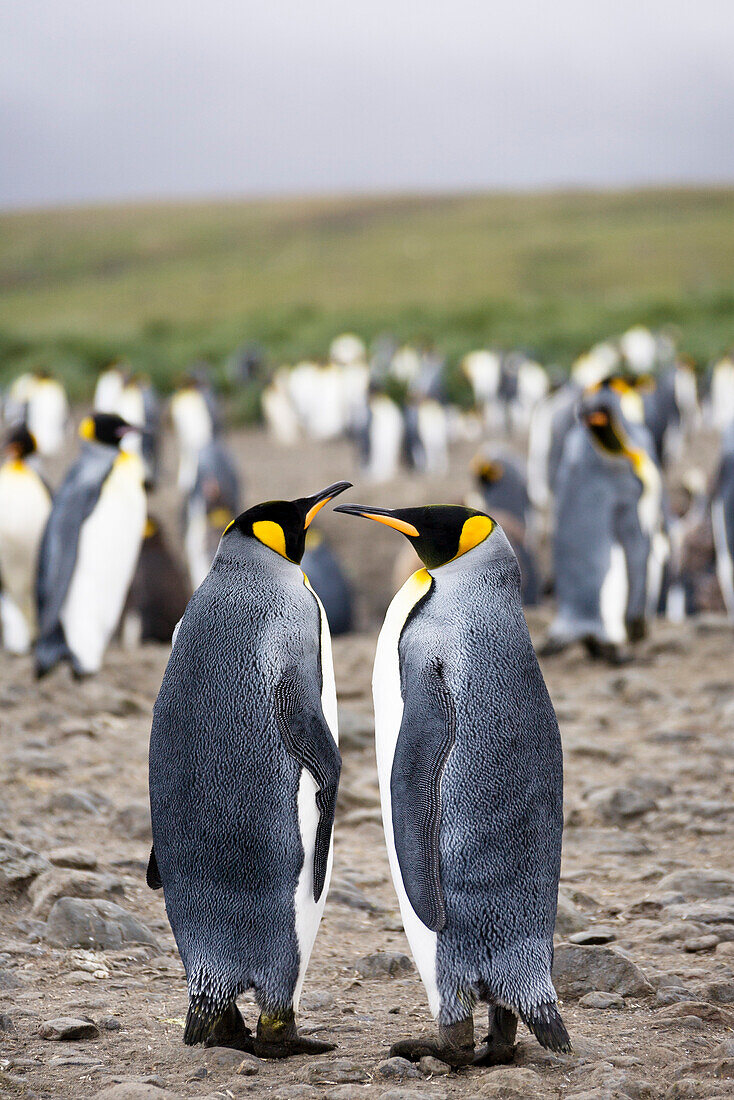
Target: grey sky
[(107, 99)]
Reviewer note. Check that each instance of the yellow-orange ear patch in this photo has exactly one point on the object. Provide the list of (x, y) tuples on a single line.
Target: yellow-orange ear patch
[(475, 530), (270, 534), (86, 428)]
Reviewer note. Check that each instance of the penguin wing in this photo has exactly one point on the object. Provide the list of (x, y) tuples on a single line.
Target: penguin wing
[(427, 734), (308, 739), (73, 504)]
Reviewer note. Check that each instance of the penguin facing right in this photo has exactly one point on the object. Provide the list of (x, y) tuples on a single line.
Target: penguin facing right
[(244, 771), (326, 577), (25, 503), (471, 783), (90, 548)]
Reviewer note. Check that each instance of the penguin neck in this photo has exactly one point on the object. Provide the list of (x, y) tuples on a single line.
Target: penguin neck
[(247, 555)]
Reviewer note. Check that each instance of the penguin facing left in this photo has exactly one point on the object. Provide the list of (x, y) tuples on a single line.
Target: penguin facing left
[(90, 548), (471, 784), (244, 771), (25, 503)]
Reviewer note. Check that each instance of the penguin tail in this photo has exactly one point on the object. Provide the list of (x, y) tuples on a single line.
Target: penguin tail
[(545, 1022), (200, 1021)]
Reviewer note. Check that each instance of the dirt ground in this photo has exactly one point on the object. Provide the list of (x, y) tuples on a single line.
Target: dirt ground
[(648, 869)]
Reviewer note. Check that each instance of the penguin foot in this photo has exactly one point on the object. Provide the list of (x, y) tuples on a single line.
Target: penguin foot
[(607, 651), (231, 1031), (455, 1046), (551, 647), (499, 1046), (277, 1037)]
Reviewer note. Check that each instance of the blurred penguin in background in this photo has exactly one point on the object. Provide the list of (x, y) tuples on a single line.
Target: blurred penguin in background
[(158, 594), (501, 492), (671, 409), (722, 519), (721, 393), (195, 419), (25, 503), (426, 436), (40, 402), (327, 578), (692, 567), (279, 412), (531, 385), (380, 437), (484, 371), (210, 507), (608, 549), (108, 391), (139, 406), (90, 548)]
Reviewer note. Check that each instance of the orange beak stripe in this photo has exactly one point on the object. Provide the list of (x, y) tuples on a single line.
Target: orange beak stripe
[(315, 509), (393, 521)]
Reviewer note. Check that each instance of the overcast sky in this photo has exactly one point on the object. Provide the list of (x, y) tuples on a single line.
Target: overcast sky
[(109, 99)]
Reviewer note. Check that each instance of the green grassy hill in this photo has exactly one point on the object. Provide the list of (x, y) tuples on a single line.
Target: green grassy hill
[(549, 272)]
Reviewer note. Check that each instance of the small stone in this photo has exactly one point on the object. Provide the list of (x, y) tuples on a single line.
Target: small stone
[(317, 1000), (226, 1057), (64, 1028), (78, 859), (433, 1067), (511, 1082), (595, 935), (339, 1072), (95, 924), (6, 1022), (672, 995), (249, 1066), (75, 802), (617, 805), (705, 912), (297, 1092), (46, 890), (705, 884), (109, 1023), (701, 943), (18, 866), (397, 1069), (690, 1088), (578, 970), (721, 993), (383, 966), (568, 917), (346, 893), (345, 1092), (599, 999)]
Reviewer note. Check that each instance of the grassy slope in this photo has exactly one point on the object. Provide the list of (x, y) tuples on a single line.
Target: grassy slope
[(550, 272)]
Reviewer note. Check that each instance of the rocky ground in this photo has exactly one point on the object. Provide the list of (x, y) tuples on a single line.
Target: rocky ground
[(92, 993)]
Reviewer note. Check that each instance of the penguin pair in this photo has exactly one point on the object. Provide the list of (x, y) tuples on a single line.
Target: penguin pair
[(90, 548), (244, 769)]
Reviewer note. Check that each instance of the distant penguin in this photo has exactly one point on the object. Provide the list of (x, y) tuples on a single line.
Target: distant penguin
[(484, 372), (721, 393), (380, 438), (326, 577), (40, 401), (108, 390), (722, 519), (25, 503), (609, 546), (244, 771), (279, 411), (502, 492), (471, 777), (426, 436), (212, 504), (158, 594), (194, 425), (90, 548)]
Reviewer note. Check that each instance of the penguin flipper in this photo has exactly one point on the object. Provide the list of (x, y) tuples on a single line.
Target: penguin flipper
[(153, 875), (73, 504), (307, 737), (427, 734)]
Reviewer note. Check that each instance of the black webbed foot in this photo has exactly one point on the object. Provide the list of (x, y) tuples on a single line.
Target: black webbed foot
[(498, 1048)]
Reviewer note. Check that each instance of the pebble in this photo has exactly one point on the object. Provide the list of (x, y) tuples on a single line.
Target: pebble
[(599, 999), (340, 1072), (618, 805), (704, 884), (433, 1067), (383, 966), (317, 1000), (75, 802), (397, 1069), (596, 935), (701, 943), (511, 1082), (132, 1090), (296, 1092), (133, 821), (65, 1028), (96, 924), (227, 1058), (19, 866), (57, 883), (578, 970), (346, 893), (79, 859)]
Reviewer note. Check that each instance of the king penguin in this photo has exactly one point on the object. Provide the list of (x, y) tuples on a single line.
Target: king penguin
[(722, 518), (90, 548), (244, 771), (25, 503), (471, 784)]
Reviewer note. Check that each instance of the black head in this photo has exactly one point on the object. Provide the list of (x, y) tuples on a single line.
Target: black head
[(488, 470), (19, 442), (605, 408), (105, 428), (281, 525), (439, 532)]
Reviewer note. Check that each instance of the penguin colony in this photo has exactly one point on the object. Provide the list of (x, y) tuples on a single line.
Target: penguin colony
[(467, 743)]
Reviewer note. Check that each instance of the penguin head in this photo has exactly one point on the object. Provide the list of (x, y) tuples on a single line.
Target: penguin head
[(606, 410), (105, 428), (281, 525), (439, 533), (19, 443), (487, 469)]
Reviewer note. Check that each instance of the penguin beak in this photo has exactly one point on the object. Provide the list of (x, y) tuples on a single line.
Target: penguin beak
[(313, 505), (381, 515)]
